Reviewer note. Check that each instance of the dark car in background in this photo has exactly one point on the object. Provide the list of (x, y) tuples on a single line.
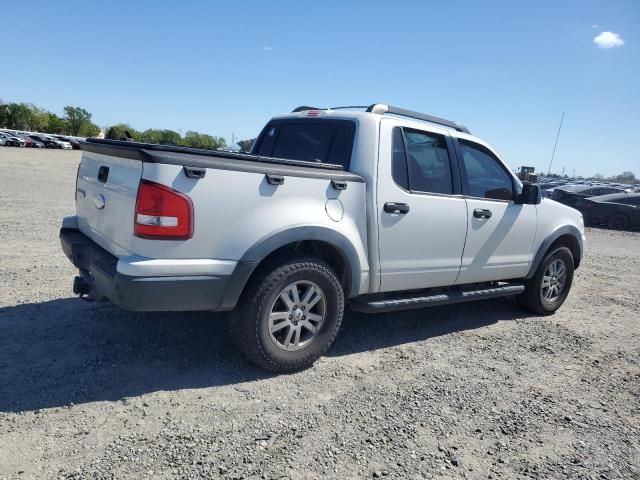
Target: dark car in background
[(619, 210), (47, 142), (570, 195), (32, 143)]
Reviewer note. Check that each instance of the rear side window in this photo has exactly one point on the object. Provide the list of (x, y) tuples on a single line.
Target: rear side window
[(310, 140), (399, 160), (421, 162), (606, 191), (629, 201)]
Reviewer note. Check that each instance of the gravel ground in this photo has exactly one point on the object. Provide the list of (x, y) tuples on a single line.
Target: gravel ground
[(479, 390)]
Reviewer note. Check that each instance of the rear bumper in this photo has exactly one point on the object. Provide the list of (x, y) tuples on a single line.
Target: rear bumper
[(99, 269)]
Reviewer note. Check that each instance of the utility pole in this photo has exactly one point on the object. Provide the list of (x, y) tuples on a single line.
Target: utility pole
[(555, 144), (574, 174)]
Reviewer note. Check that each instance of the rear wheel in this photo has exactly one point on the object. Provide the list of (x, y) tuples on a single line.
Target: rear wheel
[(618, 221), (289, 316), (549, 287)]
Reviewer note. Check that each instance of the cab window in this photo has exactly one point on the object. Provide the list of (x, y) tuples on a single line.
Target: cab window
[(421, 161), (486, 177)]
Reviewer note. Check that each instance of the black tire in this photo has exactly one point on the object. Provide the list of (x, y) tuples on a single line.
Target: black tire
[(249, 322), (533, 296), (618, 221)]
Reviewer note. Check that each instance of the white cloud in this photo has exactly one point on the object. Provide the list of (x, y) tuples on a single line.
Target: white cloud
[(266, 49), (608, 40), (595, 26)]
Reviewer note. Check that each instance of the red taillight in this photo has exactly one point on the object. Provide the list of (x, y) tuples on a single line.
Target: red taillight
[(162, 213)]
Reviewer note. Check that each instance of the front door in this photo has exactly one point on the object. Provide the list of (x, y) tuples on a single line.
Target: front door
[(500, 232), (422, 216)]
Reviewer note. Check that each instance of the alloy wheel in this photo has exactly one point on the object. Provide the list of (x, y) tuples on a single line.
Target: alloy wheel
[(297, 314)]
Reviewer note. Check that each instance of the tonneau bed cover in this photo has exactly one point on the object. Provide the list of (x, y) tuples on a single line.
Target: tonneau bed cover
[(150, 153)]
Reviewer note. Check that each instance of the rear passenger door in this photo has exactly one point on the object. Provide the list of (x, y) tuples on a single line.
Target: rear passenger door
[(500, 233), (422, 216)]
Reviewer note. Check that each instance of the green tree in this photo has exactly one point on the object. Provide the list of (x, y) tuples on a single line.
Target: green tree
[(19, 116), (79, 121), (117, 132), (245, 145), (164, 137), (202, 140), (4, 114), (89, 130), (198, 140), (55, 124)]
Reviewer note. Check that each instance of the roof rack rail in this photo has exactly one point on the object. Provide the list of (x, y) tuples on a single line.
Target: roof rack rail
[(382, 109)]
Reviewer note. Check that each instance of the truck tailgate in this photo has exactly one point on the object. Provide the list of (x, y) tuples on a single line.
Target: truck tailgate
[(106, 199)]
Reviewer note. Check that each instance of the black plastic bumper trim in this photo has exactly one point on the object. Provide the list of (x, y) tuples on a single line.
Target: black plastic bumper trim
[(179, 293)]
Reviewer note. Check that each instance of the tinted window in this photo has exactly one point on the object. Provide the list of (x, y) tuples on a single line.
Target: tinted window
[(486, 178), (428, 163), (399, 160), (315, 141)]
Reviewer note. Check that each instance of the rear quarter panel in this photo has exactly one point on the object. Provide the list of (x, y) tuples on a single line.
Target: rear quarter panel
[(235, 210)]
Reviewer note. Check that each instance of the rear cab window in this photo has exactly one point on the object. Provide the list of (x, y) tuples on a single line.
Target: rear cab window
[(421, 162), (313, 140)]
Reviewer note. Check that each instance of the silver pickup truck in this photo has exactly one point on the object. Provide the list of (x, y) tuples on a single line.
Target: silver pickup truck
[(379, 207)]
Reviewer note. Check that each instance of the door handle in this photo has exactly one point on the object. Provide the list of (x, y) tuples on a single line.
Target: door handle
[(482, 213), (392, 207)]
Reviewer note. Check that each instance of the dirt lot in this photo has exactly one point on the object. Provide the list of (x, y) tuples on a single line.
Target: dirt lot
[(473, 391)]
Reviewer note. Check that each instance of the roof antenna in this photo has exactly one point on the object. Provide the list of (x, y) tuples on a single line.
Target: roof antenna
[(555, 144)]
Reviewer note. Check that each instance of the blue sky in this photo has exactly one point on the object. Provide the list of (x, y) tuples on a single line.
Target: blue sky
[(507, 69)]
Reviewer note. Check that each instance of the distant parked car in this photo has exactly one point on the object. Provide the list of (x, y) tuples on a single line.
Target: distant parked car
[(11, 140), (32, 142), (59, 142), (618, 210), (74, 142), (570, 195), (48, 143)]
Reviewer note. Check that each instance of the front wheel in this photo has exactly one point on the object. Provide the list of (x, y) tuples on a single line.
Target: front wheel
[(289, 316), (548, 289)]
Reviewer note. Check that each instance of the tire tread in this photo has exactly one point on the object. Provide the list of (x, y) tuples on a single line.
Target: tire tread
[(244, 323)]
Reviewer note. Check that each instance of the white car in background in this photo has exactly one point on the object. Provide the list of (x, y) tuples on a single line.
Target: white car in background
[(61, 143), (10, 140)]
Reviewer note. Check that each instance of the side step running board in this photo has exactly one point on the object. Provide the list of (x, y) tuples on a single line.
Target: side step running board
[(443, 298)]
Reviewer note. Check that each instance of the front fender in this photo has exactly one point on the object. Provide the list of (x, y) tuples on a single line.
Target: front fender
[(548, 241)]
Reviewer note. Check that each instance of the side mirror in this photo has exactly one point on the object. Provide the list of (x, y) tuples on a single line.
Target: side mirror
[(531, 195)]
